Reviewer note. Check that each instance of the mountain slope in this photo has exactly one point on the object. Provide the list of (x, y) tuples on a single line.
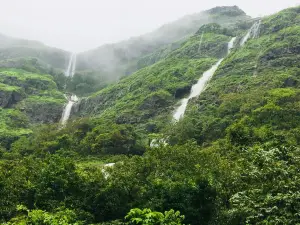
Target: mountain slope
[(233, 159), (26, 99), (154, 90), (123, 58), (257, 80), (13, 48)]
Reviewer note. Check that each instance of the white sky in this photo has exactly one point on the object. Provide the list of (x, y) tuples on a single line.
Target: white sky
[(78, 25)]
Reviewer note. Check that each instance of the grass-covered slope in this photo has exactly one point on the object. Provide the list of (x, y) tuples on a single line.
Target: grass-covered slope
[(154, 90), (13, 48), (25, 99), (254, 96), (233, 160)]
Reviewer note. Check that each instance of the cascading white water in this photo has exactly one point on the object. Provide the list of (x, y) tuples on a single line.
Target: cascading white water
[(74, 65), (231, 44), (68, 71), (73, 99), (252, 33), (198, 88), (67, 110), (71, 66), (256, 29), (200, 43)]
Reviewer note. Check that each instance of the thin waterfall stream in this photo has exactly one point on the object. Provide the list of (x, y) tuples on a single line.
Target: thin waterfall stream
[(198, 88), (72, 99), (200, 42), (253, 32)]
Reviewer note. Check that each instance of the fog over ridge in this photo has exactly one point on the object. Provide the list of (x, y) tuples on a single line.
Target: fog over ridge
[(81, 25)]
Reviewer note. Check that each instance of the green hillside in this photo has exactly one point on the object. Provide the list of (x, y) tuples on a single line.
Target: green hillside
[(26, 99), (14, 48), (254, 96), (152, 93), (233, 159), (109, 63)]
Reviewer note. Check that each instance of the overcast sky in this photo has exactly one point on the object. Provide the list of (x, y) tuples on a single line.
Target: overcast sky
[(78, 25)]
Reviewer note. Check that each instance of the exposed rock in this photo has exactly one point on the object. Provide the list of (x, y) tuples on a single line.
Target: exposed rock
[(44, 113), (93, 105), (5, 98), (127, 119), (180, 92), (151, 127), (290, 82), (9, 98), (154, 102)]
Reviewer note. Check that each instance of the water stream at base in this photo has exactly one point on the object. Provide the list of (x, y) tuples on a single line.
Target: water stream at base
[(198, 88), (67, 110)]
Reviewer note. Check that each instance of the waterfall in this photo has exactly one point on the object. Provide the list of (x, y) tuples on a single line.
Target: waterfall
[(256, 29), (74, 65), (252, 33), (73, 99), (198, 88), (67, 110), (200, 43), (230, 44), (67, 72), (70, 71), (181, 109)]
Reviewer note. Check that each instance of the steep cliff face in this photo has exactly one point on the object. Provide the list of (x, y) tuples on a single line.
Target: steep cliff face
[(27, 98), (42, 109), (10, 95)]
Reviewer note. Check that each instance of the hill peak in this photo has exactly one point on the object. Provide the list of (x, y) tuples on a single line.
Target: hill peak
[(227, 10)]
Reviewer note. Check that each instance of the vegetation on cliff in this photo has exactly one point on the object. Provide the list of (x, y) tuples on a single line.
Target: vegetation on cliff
[(233, 159)]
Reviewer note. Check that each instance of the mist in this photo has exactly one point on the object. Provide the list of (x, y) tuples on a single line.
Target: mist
[(77, 25)]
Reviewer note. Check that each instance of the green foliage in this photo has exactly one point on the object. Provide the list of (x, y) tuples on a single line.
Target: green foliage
[(233, 159), (13, 124), (40, 217), (84, 83), (152, 92), (26, 97), (271, 195), (253, 97), (147, 217)]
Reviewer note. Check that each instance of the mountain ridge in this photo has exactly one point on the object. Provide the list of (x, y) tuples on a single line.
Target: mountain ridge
[(232, 159)]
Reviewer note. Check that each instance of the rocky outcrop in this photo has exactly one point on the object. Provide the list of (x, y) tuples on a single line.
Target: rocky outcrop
[(180, 92), (43, 112), (290, 82), (93, 105), (9, 98)]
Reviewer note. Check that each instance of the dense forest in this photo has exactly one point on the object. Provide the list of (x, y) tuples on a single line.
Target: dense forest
[(232, 159)]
